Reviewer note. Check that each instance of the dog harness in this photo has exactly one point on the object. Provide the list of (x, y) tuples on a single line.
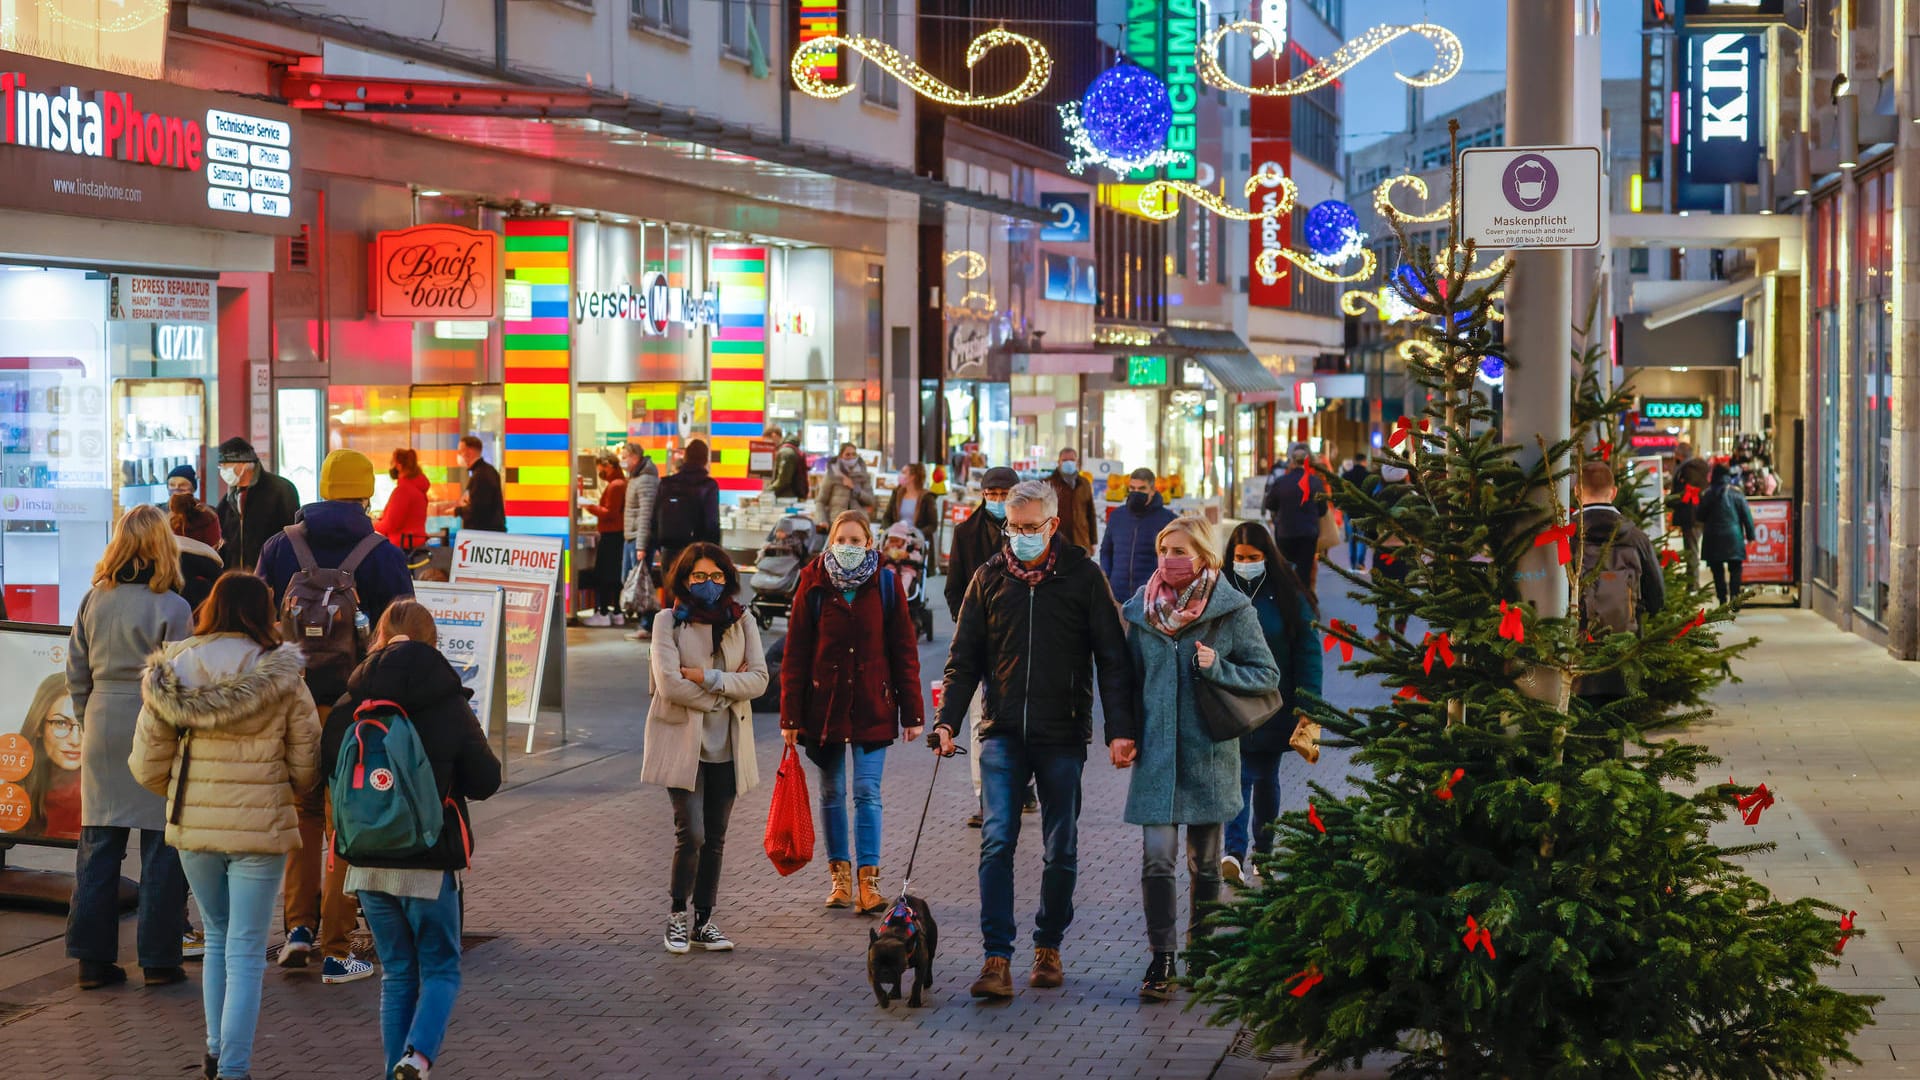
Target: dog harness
[(901, 915)]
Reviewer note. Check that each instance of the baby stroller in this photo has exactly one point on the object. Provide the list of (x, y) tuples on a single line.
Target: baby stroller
[(906, 551), (792, 541)]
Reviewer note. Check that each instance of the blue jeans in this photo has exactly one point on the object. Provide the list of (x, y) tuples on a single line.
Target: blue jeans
[(1356, 548), (237, 895), (629, 556), (1259, 805), (867, 767), (93, 920), (419, 946), (1006, 766)]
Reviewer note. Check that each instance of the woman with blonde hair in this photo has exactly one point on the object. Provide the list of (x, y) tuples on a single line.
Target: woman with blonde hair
[(132, 610), (1182, 627)]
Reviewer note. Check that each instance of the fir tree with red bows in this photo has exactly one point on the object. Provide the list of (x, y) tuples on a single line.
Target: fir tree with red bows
[(1522, 883)]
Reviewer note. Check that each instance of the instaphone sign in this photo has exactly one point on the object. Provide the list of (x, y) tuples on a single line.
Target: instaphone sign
[(90, 143), (436, 272), (1723, 108), (657, 305)]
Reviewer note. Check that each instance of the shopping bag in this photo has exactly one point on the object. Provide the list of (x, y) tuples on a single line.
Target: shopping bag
[(1330, 534), (636, 594), (789, 840)]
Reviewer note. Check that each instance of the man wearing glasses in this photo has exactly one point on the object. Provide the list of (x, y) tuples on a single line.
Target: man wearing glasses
[(1035, 622)]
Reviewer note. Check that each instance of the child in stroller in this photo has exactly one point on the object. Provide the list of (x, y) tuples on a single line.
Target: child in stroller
[(789, 545), (906, 551)]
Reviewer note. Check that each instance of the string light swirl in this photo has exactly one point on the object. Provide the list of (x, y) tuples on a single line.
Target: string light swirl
[(140, 14), (1383, 199), (1446, 45), (1384, 302), (1160, 200), (976, 263), (903, 67), (1267, 265)]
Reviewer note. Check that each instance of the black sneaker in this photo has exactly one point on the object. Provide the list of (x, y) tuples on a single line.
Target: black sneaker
[(93, 975), (1032, 803), (708, 936), (164, 976), (210, 1068), (679, 933), (1158, 984)]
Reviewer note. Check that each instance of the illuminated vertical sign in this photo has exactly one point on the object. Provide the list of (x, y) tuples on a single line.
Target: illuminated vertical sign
[(1161, 37), (536, 461), (1722, 140), (1271, 131), (739, 351), (818, 19)]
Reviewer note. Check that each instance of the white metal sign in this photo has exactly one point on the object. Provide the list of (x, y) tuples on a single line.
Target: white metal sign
[(1531, 196)]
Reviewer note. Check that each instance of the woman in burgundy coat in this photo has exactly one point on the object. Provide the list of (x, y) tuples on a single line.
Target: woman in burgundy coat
[(849, 684)]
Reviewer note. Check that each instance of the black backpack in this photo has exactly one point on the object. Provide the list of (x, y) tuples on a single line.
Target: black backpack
[(682, 513)]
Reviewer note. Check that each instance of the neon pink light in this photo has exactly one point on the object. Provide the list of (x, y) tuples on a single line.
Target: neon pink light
[(1673, 119)]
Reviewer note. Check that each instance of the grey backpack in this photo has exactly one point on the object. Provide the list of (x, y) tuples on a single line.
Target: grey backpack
[(321, 607), (1610, 587)]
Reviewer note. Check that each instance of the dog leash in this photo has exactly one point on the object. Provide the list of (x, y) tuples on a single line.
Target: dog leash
[(907, 882)]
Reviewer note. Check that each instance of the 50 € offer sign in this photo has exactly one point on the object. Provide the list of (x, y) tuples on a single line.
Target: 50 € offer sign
[(527, 569)]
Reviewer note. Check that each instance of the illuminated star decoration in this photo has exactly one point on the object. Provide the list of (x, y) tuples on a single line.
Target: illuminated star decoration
[(1160, 201), (1121, 122), (902, 67), (1446, 45)]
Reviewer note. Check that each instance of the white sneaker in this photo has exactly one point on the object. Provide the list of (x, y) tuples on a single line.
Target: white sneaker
[(619, 619), (193, 945), (1230, 870), (411, 1067), (679, 931), (641, 634), (595, 619)]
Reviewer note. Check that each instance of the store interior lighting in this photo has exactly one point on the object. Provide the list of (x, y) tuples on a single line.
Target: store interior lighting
[(428, 193)]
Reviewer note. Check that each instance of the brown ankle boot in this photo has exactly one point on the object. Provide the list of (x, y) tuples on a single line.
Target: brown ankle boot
[(870, 902), (995, 981), (1047, 972), (842, 894)]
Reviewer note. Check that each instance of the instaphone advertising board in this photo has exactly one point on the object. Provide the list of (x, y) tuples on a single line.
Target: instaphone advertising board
[(527, 569)]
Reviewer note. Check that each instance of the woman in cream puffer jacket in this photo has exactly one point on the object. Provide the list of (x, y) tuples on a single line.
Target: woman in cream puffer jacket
[(229, 735)]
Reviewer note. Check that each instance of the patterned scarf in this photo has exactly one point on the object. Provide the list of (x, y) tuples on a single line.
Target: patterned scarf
[(850, 579), (1032, 575), (1169, 610), (720, 616)]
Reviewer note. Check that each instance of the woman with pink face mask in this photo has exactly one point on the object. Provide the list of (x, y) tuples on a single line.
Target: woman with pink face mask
[(1184, 625)]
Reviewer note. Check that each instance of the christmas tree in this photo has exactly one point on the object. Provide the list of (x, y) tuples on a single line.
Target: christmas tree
[(1522, 884)]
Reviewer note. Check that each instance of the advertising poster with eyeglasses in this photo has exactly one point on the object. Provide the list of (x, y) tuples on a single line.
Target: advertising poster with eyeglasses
[(40, 741)]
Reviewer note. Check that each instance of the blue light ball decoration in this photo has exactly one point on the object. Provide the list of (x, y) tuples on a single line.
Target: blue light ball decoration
[(1329, 224), (1411, 284), (1126, 112), (1492, 368)]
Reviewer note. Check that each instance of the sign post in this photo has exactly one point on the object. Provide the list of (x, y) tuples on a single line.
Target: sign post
[(1531, 196), (527, 569)]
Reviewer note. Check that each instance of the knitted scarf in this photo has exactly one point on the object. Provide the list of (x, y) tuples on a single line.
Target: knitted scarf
[(1032, 575), (850, 579), (721, 616), (1169, 610)]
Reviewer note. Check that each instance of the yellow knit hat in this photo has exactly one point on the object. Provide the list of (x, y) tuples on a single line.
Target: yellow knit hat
[(346, 474)]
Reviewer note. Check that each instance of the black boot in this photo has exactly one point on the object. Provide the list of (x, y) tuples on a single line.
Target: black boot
[(1031, 804), (95, 975), (1158, 984), (210, 1068)]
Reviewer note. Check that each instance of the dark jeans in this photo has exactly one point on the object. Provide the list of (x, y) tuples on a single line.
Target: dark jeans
[(606, 572), (93, 922), (700, 835), (1726, 578), (1303, 554), (1160, 893), (1007, 765), (1259, 805)]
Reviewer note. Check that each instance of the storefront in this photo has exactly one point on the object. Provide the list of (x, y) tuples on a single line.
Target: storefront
[(126, 350)]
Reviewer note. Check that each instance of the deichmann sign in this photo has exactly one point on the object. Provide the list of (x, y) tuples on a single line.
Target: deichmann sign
[(436, 272), (79, 141), (1161, 37), (1531, 196), (1722, 118), (657, 306), (1674, 409)]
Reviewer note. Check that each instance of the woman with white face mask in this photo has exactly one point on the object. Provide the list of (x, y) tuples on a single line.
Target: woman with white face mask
[(846, 485), (849, 686)]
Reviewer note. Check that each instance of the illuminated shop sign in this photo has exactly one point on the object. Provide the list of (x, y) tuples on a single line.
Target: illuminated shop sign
[(1162, 36), (436, 272), (656, 305), (1674, 409), (1722, 120), (1733, 12)]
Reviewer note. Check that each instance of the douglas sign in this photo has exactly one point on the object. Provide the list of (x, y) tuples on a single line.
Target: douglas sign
[(436, 272)]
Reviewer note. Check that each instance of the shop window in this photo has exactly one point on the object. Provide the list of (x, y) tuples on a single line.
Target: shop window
[(377, 420), (1872, 449), (881, 19)]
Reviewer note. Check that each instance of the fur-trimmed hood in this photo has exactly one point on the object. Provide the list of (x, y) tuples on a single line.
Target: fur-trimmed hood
[(221, 682)]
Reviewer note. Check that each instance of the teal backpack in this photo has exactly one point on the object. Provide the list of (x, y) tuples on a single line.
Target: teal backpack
[(386, 804)]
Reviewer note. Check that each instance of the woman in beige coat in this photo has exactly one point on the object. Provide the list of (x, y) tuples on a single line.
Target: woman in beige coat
[(228, 735), (707, 669)]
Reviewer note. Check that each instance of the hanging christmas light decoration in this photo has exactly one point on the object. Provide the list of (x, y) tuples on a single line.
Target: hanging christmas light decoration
[(1160, 201), (1268, 263), (1126, 112), (976, 263), (1446, 45), (1492, 269), (1085, 153), (902, 67), (133, 15), (1384, 301), (1329, 225), (1415, 351), (1493, 370), (1383, 199)]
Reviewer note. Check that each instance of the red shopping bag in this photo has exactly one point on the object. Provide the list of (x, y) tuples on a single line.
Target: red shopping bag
[(790, 820)]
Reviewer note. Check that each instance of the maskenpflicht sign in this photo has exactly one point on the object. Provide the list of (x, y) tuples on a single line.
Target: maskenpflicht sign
[(1531, 196)]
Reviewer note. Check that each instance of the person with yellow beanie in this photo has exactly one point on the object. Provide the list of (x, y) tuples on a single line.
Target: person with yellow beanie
[(335, 533)]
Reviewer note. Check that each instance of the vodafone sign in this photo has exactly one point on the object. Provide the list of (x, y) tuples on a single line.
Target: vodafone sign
[(96, 144)]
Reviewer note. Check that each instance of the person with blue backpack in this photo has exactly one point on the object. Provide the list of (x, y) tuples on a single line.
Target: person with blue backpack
[(849, 686), (403, 754)]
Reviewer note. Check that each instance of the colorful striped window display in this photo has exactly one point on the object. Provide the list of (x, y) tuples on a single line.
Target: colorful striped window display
[(536, 464), (818, 19), (739, 354)]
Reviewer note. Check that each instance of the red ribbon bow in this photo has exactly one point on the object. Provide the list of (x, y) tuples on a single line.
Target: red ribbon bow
[(1695, 623), (1561, 535), (1408, 693), (1334, 638), (1404, 427), (1691, 497), (1846, 925), (1513, 626), (1753, 804), (1304, 981), (1606, 450), (1385, 558), (1668, 557), (1438, 645), (1446, 788), (1306, 488), (1478, 935), (1313, 819)]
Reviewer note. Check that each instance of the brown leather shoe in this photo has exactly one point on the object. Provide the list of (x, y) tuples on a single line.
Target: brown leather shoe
[(842, 894), (870, 902), (996, 979), (1047, 972)]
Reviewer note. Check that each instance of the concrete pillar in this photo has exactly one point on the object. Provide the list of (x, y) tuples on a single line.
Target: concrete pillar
[(1903, 616), (1540, 107)]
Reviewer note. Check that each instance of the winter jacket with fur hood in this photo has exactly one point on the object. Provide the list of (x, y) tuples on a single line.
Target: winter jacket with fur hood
[(230, 736)]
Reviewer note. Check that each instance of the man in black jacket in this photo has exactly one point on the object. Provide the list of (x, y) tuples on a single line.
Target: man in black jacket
[(1296, 501), (1621, 578), (1035, 622), (256, 507), (483, 506), (686, 509), (976, 540)]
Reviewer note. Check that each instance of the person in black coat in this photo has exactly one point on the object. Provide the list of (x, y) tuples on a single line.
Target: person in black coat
[(687, 508), (257, 505), (1296, 501), (483, 506), (412, 903), (980, 537)]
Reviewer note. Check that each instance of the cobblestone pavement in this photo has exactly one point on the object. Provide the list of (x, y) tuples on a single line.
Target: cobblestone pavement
[(568, 890)]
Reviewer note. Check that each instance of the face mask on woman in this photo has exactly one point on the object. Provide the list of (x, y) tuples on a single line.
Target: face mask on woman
[(1177, 570), (849, 556), (1250, 570), (1026, 547), (707, 593), (393, 471)]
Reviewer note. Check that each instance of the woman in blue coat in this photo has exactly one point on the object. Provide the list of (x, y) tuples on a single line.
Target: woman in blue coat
[(1286, 619), (1183, 625)]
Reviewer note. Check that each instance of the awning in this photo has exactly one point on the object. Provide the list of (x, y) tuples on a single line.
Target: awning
[(1225, 357), (1704, 301)]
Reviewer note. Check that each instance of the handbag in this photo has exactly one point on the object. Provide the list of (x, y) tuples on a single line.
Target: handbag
[(637, 595), (1330, 536), (1230, 714), (1306, 739), (789, 840)]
